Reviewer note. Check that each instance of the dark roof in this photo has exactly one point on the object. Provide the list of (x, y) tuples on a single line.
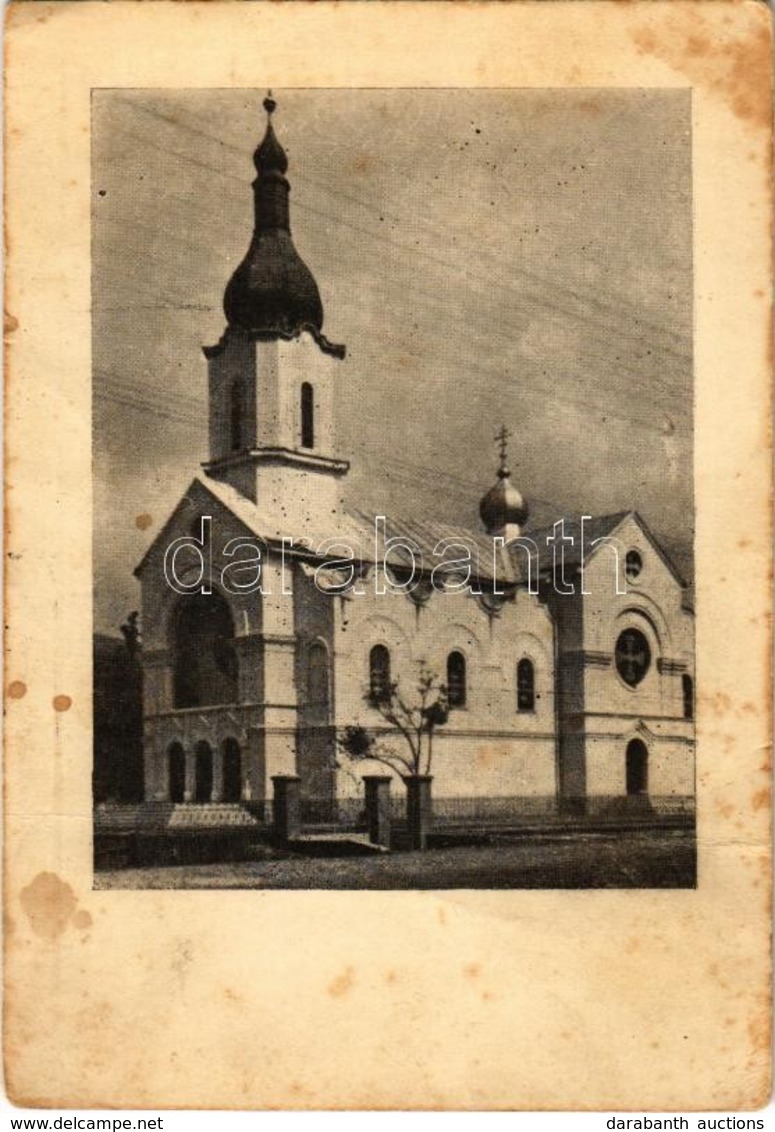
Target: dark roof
[(424, 537), (273, 293), (596, 527)]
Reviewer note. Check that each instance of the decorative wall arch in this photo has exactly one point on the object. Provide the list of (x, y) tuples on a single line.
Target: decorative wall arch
[(448, 637), (533, 647), (647, 609), (245, 608), (380, 629)]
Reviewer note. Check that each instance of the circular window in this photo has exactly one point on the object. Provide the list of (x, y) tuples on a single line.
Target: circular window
[(633, 656), (633, 564)]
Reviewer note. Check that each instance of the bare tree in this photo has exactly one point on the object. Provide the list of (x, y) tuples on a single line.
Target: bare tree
[(413, 721)]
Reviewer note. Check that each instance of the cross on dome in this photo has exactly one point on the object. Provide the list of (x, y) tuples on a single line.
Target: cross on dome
[(502, 437), (503, 507)]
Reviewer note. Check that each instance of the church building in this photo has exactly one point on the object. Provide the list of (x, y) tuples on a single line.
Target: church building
[(270, 609)]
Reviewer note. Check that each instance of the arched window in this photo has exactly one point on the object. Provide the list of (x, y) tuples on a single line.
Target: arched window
[(526, 685), (205, 660), (456, 680), (688, 693), (204, 773), (236, 414), (318, 678), (232, 771), (176, 769), (379, 673), (307, 416)]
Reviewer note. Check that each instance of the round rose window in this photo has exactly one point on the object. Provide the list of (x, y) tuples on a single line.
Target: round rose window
[(633, 656)]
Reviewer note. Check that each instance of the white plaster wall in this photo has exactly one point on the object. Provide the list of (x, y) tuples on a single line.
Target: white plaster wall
[(652, 604), (281, 369), (670, 765), (487, 748), (613, 710)]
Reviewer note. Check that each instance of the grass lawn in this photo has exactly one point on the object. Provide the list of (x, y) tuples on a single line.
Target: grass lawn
[(632, 860)]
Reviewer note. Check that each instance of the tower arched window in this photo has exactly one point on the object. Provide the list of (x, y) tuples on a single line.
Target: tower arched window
[(318, 678), (236, 417), (456, 680), (307, 416), (379, 673), (526, 685), (687, 685)]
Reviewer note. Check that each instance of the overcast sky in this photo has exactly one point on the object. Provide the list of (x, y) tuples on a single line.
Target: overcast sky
[(518, 257)]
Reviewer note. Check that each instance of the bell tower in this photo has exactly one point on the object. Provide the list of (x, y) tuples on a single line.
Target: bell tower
[(271, 376)]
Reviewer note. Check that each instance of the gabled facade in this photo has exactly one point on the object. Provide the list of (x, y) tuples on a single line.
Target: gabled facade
[(259, 647)]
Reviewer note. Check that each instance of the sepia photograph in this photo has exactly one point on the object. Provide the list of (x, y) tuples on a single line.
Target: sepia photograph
[(394, 508)]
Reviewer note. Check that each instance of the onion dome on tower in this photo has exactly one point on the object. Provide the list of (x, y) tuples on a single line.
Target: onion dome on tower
[(273, 293), (503, 509)]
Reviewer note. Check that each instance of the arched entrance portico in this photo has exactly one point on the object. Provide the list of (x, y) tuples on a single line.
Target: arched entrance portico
[(205, 659)]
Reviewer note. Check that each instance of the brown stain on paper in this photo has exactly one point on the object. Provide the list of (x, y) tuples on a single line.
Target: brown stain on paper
[(51, 906), (82, 919), (343, 983), (16, 690), (142, 522), (733, 60), (761, 799), (62, 703)]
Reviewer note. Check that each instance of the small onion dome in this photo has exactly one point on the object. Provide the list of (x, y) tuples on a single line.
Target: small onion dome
[(503, 505), (272, 293)]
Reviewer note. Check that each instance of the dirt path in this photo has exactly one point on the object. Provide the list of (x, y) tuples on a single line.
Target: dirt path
[(640, 861)]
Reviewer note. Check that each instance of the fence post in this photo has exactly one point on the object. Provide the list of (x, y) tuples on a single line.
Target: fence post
[(286, 807), (378, 808), (418, 809)]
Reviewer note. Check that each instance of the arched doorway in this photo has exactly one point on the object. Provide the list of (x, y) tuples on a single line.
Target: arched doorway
[(205, 660), (176, 771), (203, 791), (232, 771), (637, 767)]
